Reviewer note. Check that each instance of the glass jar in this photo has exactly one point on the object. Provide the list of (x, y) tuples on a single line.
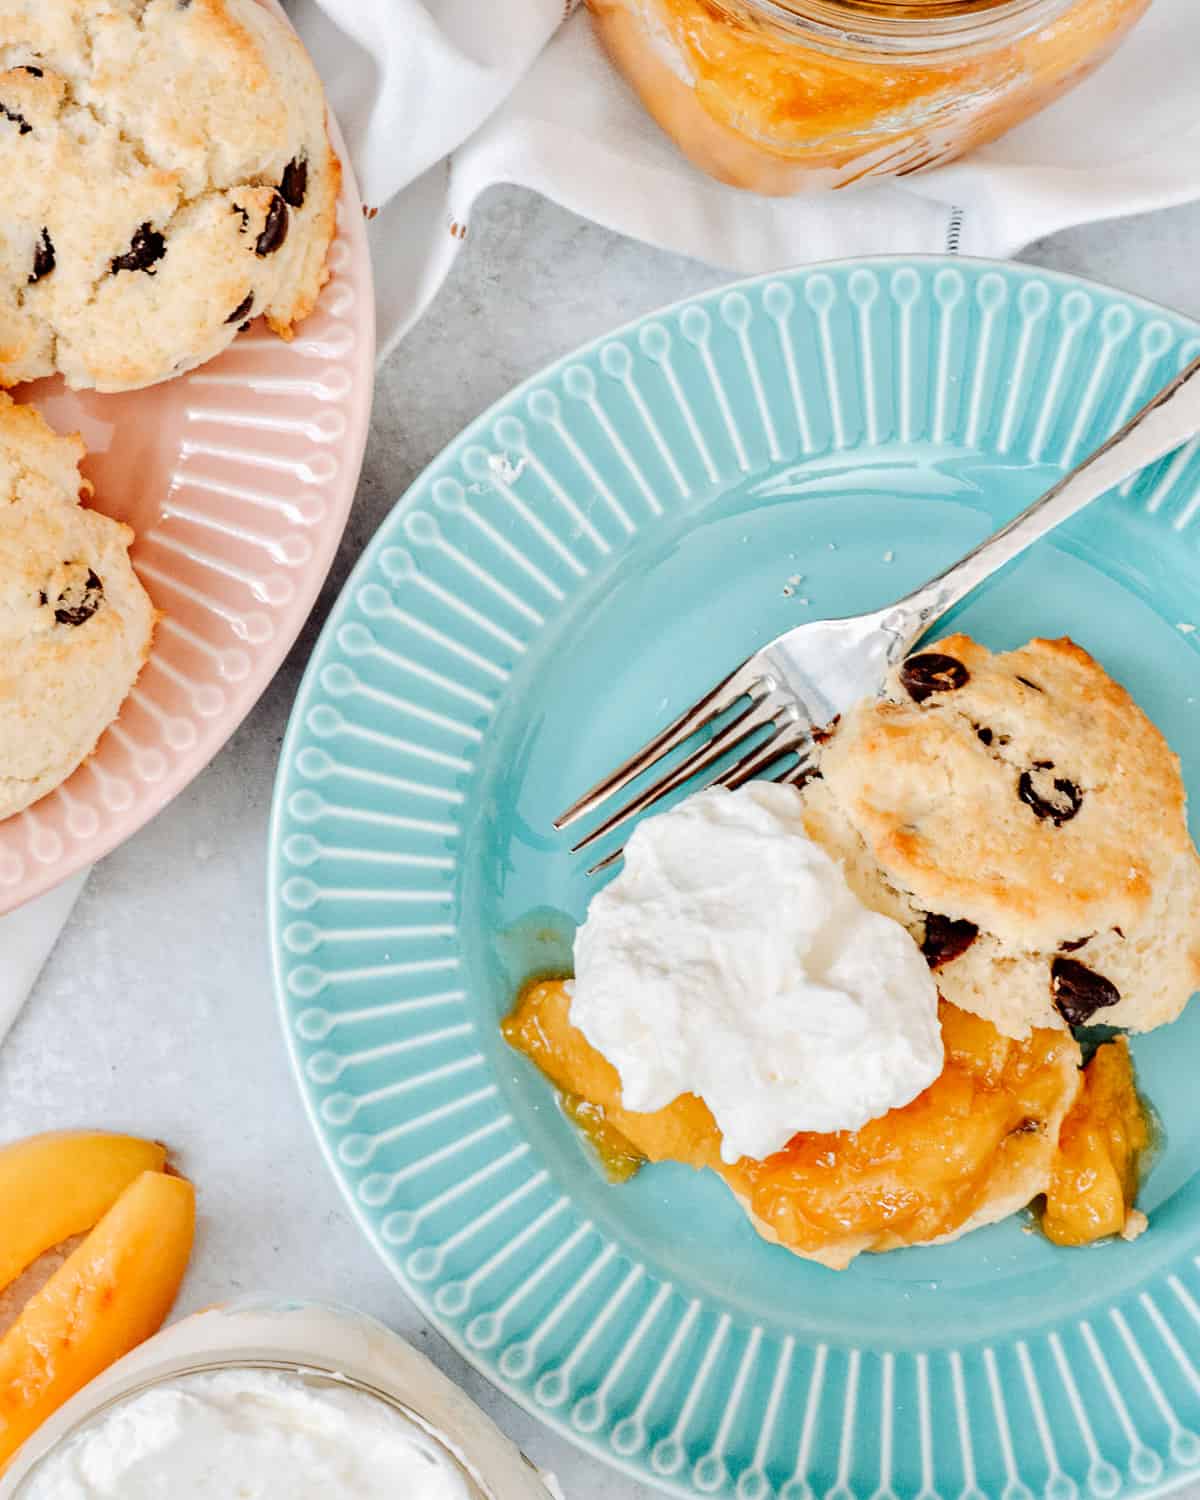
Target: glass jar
[(319, 1345), (786, 96)]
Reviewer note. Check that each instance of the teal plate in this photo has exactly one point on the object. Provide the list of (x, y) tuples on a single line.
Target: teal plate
[(580, 564)]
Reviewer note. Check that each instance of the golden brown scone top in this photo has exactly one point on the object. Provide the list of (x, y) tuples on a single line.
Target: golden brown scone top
[(1025, 794), (166, 175)]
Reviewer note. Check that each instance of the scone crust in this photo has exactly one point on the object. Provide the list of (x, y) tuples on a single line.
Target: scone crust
[(69, 653), (37, 465), (1036, 801), (75, 623), (168, 175)]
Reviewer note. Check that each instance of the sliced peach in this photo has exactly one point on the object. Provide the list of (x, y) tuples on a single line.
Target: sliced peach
[(55, 1186), (109, 1296), (1095, 1178)]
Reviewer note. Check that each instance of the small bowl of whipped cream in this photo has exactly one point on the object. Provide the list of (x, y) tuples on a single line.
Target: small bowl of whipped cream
[(273, 1401)]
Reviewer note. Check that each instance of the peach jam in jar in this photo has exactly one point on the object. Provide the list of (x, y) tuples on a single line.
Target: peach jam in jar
[(788, 96)]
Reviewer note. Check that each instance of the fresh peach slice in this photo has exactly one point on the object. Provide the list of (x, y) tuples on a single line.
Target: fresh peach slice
[(109, 1296), (55, 1186)]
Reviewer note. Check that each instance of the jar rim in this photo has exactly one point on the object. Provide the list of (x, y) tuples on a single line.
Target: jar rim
[(906, 27)]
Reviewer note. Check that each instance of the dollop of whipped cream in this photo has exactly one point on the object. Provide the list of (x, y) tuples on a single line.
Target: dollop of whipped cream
[(730, 959), (254, 1433)]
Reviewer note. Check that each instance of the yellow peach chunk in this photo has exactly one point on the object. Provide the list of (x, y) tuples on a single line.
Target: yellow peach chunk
[(110, 1295), (540, 1027), (1095, 1177), (58, 1185)]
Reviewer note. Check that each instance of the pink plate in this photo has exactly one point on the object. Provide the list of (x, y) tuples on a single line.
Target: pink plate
[(238, 480)]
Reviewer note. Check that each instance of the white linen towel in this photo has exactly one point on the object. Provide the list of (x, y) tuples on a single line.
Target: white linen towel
[(439, 99), (26, 938)]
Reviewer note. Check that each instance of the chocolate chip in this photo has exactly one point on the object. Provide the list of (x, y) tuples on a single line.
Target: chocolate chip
[(1029, 684), (241, 309), (146, 247), (1054, 798), (238, 209), (29, 68), (945, 939), (18, 119), (274, 231), (932, 672), (294, 183), (43, 257), (79, 602), (985, 735), (1075, 944), (1079, 992)]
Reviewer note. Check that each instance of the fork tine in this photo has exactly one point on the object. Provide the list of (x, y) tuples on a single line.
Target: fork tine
[(799, 773), (714, 703), (796, 737), (603, 864), (755, 717)]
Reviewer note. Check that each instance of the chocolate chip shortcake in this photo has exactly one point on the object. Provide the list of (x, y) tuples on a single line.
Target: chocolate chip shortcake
[(1027, 823), (165, 176), (75, 623)]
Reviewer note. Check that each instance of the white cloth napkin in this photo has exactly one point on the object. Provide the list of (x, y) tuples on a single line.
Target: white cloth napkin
[(439, 99), (26, 938)]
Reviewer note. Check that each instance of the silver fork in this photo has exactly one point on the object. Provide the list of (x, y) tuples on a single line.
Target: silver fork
[(778, 699)]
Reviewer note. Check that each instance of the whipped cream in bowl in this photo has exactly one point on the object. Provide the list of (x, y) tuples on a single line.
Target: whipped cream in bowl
[(730, 959), (269, 1399), (253, 1432)]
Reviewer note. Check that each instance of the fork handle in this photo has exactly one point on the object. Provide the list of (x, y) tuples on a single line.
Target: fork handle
[(1168, 419)]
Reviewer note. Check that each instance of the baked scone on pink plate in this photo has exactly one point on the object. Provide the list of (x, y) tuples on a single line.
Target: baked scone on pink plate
[(75, 623), (166, 175)]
